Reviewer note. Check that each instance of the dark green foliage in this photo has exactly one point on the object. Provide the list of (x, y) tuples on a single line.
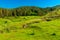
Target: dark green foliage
[(13, 14), (53, 34), (49, 9), (26, 11), (5, 21), (48, 19), (35, 22), (22, 11), (36, 27), (32, 33)]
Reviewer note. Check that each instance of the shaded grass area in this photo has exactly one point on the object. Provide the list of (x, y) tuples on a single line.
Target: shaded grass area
[(11, 28)]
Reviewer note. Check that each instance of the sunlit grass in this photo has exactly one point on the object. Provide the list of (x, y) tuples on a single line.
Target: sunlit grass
[(11, 28)]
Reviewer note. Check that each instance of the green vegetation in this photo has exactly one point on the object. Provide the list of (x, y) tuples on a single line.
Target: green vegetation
[(30, 23), (29, 28), (24, 11)]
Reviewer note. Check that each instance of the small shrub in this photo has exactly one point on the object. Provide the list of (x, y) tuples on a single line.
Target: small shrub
[(35, 27), (53, 34), (5, 21), (24, 18), (7, 30), (48, 19), (1, 31), (32, 33), (36, 22)]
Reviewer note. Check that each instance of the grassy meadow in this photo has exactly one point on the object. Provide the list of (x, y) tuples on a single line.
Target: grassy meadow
[(30, 23), (29, 28)]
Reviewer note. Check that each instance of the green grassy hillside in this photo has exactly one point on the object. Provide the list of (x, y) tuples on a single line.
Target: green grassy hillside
[(30, 23), (29, 28)]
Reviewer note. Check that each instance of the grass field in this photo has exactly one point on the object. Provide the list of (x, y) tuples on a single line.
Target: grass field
[(29, 28)]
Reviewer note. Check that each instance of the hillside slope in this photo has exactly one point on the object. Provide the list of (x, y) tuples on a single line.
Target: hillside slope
[(12, 28)]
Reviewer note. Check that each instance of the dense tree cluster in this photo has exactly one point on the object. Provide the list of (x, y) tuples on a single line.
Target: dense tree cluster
[(25, 11)]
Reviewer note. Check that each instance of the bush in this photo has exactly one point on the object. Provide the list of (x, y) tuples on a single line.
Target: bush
[(5, 21), (48, 19), (32, 33), (7, 30), (53, 34), (1, 31)]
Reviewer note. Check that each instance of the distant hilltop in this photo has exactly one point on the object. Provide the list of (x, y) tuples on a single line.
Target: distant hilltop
[(27, 11)]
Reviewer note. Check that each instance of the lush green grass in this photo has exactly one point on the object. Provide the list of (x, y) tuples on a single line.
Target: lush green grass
[(11, 28)]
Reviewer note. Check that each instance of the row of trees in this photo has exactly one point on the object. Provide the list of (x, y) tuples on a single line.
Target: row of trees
[(23, 11)]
